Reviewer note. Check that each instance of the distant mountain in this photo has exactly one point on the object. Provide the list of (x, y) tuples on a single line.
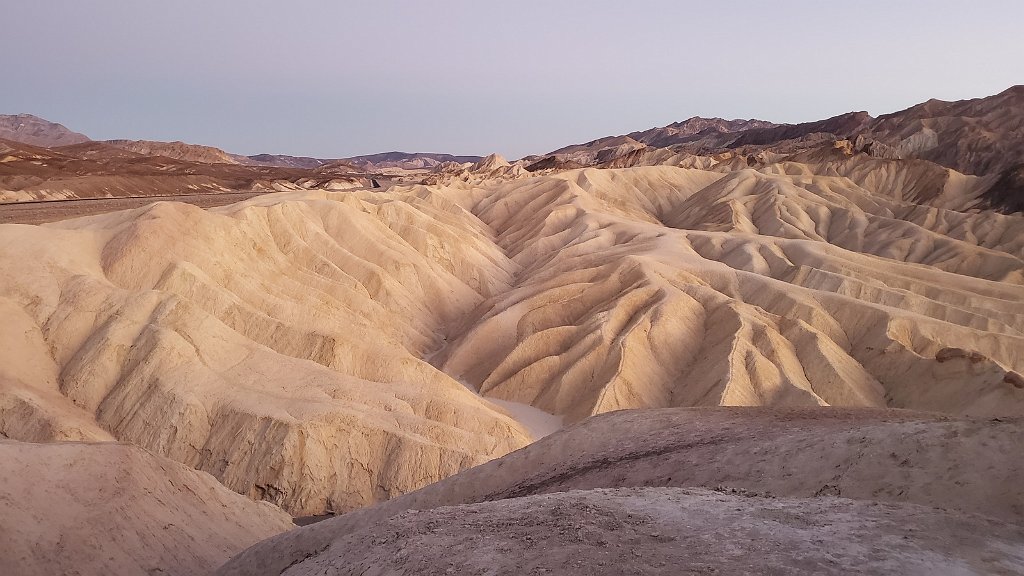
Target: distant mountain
[(709, 136), (406, 160), (694, 128), (841, 126), (405, 156), (365, 163), (127, 169), (176, 150), (977, 136), (283, 161), (29, 129), (673, 134), (35, 131), (981, 137)]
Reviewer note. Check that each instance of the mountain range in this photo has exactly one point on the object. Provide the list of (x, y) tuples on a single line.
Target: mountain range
[(974, 137)]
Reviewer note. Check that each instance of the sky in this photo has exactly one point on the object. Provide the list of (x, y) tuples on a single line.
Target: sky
[(334, 79)]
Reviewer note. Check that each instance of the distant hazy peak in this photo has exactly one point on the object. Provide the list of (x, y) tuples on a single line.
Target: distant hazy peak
[(178, 150), (30, 129), (699, 124), (407, 156)]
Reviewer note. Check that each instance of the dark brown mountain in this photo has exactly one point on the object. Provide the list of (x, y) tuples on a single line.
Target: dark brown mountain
[(405, 160), (676, 133), (980, 136), (837, 127), (977, 136), (111, 170), (283, 161), (695, 128)]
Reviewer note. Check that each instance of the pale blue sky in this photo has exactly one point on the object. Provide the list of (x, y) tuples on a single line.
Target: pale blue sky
[(333, 78)]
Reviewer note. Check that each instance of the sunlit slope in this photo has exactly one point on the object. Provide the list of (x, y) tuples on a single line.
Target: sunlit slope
[(275, 344), (651, 287)]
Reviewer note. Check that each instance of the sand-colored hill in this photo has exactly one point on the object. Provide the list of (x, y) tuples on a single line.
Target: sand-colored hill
[(337, 345), (277, 344), (487, 171), (941, 487), (106, 508), (328, 350), (665, 287)]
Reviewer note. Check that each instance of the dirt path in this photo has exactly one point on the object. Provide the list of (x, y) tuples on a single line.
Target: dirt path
[(54, 210)]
